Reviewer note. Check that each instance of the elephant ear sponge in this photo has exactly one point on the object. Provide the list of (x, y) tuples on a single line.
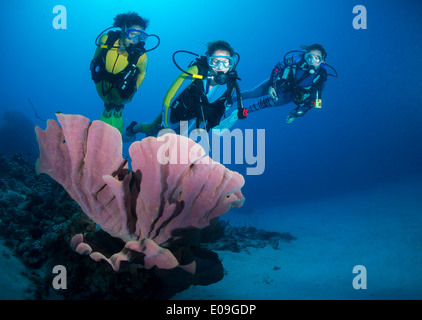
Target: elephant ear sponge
[(172, 186)]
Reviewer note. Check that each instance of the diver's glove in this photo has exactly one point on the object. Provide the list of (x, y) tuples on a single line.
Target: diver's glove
[(129, 129), (126, 83), (242, 113), (125, 88), (130, 135)]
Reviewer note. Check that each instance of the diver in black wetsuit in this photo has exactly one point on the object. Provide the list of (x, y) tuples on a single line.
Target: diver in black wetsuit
[(300, 78)]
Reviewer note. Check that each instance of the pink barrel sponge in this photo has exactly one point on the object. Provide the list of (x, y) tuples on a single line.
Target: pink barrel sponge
[(173, 186)]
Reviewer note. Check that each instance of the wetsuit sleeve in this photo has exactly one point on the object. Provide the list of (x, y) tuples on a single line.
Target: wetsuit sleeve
[(142, 66), (171, 94), (262, 88), (259, 91)]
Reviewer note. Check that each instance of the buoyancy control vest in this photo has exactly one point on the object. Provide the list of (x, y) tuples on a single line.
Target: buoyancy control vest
[(125, 80), (193, 102)]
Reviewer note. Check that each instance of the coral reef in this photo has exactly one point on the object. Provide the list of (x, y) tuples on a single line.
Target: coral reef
[(173, 188), (36, 222), (38, 217)]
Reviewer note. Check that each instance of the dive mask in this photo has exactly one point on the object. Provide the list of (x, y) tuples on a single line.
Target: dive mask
[(136, 35), (313, 59), (220, 62)]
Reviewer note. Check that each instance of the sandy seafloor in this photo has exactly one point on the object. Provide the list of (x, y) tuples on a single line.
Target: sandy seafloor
[(379, 228), (13, 284)]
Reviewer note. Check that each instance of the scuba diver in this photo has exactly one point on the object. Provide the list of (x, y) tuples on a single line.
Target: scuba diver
[(300, 78), (203, 101), (119, 65)]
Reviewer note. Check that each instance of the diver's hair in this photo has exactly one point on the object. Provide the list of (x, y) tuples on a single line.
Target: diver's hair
[(219, 45), (129, 19), (315, 46)]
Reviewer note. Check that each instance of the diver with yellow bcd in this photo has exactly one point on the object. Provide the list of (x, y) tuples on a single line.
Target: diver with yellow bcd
[(119, 64), (203, 100)]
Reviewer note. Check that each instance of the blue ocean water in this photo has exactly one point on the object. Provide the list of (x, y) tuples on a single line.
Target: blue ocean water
[(367, 133)]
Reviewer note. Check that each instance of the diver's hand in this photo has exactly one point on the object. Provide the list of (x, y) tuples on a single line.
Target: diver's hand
[(131, 129), (130, 133), (272, 93)]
